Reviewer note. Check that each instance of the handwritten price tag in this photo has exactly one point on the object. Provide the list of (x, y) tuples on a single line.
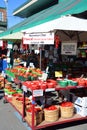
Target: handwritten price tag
[(58, 74), (37, 93)]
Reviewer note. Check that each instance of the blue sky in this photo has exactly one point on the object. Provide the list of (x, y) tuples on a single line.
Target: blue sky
[(12, 5)]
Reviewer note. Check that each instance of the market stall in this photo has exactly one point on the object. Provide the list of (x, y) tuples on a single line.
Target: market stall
[(38, 114), (32, 85)]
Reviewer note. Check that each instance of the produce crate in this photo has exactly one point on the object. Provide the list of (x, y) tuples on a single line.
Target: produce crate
[(79, 100), (9, 79), (30, 78), (80, 110), (21, 78), (9, 73)]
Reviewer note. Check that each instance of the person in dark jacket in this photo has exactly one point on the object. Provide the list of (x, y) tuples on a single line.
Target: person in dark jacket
[(0, 51), (32, 58), (11, 57)]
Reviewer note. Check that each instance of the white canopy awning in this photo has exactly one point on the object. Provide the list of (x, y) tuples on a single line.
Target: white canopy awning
[(63, 23)]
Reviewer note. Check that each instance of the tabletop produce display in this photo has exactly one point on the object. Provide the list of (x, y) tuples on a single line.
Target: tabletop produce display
[(32, 97)]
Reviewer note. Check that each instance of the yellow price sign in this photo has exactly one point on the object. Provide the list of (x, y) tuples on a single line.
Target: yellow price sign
[(58, 74)]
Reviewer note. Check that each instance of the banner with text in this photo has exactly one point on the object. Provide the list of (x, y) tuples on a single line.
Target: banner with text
[(38, 38)]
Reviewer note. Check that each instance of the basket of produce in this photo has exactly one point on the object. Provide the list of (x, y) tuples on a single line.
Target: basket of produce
[(38, 115), (51, 113), (16, 97), (67, 109), (8, 72)]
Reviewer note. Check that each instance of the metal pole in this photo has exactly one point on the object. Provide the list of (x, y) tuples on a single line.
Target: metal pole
[(40, 57)]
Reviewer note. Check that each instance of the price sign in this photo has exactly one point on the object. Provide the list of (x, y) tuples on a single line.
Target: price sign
[(37, 93), (1, 43), (3, 74), (58, 74), (24, 88), (50, 89), (44, 76)]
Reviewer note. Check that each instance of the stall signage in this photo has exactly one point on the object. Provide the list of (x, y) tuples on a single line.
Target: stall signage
[(9, 46), (1, 43), (58, 74), (69, 48), (50, 89), (38, 38), (37, 93), (24, 88)]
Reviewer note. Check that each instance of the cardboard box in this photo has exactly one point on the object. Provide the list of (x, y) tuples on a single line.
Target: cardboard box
[(81, 101), (80, 110)]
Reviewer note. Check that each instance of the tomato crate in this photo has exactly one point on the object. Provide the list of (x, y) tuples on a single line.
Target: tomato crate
[(9, 73)]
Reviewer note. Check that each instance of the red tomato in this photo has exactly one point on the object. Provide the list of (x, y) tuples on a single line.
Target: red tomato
[(51, 108), (66, 104)]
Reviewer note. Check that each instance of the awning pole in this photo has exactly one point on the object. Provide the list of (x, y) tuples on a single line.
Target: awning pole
[(40, 57)]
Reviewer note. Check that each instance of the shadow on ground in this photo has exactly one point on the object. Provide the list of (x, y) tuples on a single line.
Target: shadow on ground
[(66, 125)]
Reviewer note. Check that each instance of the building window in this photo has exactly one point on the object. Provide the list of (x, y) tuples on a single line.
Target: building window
[(1, 16)]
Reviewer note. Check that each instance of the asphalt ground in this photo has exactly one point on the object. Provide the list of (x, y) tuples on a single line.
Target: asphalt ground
[(10, 119)]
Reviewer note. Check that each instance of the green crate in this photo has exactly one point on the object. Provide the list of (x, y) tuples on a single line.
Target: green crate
[(9, 73), (22, 78)]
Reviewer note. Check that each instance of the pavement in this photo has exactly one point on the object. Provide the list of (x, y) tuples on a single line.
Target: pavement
[(10, 119)]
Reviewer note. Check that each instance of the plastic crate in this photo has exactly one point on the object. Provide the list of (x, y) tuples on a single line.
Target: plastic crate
[(21, 78), (9, 73)]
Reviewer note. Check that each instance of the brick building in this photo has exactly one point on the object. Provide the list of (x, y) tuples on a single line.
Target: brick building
[(3, 19)]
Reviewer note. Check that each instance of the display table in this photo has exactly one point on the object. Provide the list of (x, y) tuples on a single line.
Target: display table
[(38, 93)]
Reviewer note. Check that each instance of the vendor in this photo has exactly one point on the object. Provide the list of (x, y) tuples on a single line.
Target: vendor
[(11, 57), (32, 58)]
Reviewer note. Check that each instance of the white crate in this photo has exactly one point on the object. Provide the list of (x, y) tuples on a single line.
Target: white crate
[(80, 110), (82, 101)]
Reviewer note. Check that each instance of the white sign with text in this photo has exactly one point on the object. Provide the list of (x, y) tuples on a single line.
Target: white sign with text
[(69, 48), (38, 38)]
